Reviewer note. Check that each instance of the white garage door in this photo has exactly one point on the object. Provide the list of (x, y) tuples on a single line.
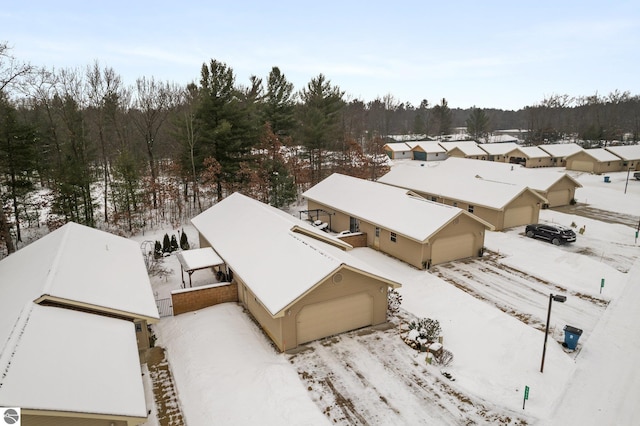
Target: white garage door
[(559, 198), (452, 248), (335, 316), (518, 216)]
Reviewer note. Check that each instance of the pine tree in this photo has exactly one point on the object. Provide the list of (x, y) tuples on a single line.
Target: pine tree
[(279, 104), (226, 121), (166, 244), (478, 125), (442, 116), (184, 242), (320, 122)]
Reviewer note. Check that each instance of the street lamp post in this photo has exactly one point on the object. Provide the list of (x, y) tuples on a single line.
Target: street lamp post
[(552, 298)]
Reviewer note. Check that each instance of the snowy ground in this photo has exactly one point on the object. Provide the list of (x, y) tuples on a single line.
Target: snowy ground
[(492, 311)]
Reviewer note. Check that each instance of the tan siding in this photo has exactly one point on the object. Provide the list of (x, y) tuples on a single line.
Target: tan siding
[(38, 420), (539, 162), (525, 199), (271, 326), (608, 166), (404, 249), (142, 336), (465, 227), (585, 163), (562, 192), (352, 283)]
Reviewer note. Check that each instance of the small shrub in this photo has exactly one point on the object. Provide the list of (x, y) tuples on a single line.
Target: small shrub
[(184, 241), (157, 251), (166, 244), (427, 328), (174, 243), (152, 337), (443, 358), (394, 299)]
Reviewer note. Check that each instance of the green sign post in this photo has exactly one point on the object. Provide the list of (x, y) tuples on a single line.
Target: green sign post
[(601, 285), (526, 396)]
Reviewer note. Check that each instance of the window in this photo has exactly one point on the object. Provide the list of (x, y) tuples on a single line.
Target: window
[(470, 209), (394, 237), (377, 231), (455, 204), (138, 327)]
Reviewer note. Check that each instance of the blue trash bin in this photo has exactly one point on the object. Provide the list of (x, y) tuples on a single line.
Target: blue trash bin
[(606, 179), (571, 336)]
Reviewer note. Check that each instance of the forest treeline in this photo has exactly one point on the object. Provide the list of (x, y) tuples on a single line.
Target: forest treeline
[(83, 146)]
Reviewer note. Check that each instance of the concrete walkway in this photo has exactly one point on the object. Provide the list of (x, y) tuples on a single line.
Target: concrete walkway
[(164, 393)]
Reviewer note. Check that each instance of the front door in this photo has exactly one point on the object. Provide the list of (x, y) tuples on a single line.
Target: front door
[(376, 239), (354, 224)]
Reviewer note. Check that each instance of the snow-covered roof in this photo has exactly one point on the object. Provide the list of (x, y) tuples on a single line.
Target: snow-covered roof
[(405, 138), (80, 265), (601, 155), (561, 149), (533, 152), (427, 146), (72, 361), (397, 147), (279, 257), (448, 183), (467, 147), (501, 148), (626, 152), (539, 179), (201, 258), (406, 214), (502, 139)]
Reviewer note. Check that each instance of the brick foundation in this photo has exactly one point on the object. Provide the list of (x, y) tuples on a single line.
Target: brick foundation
[(356, 240), (199, 298)]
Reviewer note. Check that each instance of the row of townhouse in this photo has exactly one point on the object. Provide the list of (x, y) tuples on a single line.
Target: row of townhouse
[(569, 155)]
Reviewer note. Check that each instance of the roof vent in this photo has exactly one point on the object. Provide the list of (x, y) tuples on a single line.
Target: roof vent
[(337, 278)]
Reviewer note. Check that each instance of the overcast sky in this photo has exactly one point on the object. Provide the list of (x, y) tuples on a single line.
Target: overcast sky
[(491, 54)]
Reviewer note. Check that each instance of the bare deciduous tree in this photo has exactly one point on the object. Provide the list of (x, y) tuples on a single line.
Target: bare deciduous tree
[(154, 102)]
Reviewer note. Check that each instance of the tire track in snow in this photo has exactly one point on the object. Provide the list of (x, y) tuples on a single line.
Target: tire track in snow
[(372, 377), (519, 294)]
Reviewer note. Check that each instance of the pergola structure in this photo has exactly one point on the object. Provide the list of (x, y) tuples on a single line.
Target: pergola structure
[(196, 259)]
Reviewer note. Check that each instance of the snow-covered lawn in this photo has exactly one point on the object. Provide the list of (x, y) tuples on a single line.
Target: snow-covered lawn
[(492, 313)]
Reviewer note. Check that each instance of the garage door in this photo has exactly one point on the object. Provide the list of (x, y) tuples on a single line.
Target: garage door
[(559, 198), (420, 156), (335, 316), (452, 248), (582, 166), (518, 216)]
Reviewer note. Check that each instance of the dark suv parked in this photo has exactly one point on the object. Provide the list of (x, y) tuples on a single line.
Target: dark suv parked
[(557, 234)]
